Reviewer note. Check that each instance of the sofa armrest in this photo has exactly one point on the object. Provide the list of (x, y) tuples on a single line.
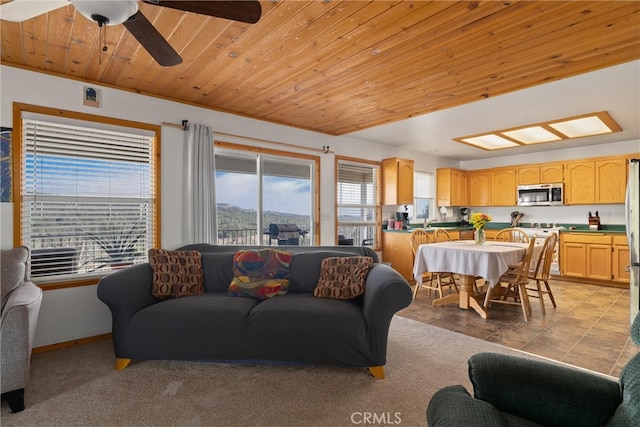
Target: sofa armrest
[(386, 292), (543, 392), (19, 319), (126, 292)]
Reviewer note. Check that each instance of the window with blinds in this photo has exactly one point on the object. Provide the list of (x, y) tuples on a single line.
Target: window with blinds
[(357, 203), (88, 199)]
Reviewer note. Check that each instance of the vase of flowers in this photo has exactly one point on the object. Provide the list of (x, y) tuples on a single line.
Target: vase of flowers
[(479, 220)]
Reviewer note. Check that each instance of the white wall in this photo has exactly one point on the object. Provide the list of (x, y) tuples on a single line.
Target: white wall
[(74, 313)]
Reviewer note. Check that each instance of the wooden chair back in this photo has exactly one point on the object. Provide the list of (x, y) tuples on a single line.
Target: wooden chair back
[(522, 274), (512, 235), (542, 269), (441, 235), (419, 237)]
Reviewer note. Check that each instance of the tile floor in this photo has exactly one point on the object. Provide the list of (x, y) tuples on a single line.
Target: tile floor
[(589, 328)]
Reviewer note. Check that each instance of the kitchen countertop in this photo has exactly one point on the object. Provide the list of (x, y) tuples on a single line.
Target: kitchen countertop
[(568, 228)]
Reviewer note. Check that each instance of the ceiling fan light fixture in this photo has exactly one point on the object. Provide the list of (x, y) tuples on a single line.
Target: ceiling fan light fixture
[(108, 11)]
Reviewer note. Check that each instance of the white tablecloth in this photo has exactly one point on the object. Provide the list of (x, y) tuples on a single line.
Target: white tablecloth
[(488, 261)]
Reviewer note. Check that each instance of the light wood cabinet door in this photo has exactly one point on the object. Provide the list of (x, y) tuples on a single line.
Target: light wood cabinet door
[(480, 188), (397, 181), (620, 264), (528, 175), (396, 249), (451, 187), (460, 188), (503, 187), (573, 259), (621, 259), (405, 182), (551, 173), (611, 180), (599, 261), (580, 183)]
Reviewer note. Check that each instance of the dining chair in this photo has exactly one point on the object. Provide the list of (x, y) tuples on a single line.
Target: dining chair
[(512, 235), (515, 280), (541, 272), (442, 280)]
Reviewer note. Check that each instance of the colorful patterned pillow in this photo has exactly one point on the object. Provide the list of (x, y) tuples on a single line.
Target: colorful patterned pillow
[(175, 273), (262, 273), (343, 277)]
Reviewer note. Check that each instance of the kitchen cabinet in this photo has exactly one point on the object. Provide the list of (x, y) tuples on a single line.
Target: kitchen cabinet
[(611, 180), (480, 188), (503, 187), (397, 181), (597, 256), (580, 183), (452, 187), (621, 259), (596, 181), (396, 249), (546, 173)]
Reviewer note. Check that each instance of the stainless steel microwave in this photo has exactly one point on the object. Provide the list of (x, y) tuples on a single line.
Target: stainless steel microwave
[(541, 195)]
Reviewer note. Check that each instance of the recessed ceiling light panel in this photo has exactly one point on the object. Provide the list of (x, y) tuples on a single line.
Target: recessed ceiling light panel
[(490, 142), (556, 130), (586, 126), (532, 135)]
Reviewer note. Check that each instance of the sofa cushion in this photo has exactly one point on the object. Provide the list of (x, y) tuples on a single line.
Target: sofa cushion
[(343, 277), (217, 269), (13, 272), (260, 273), (175, 273), (305, 268), (300, 326)]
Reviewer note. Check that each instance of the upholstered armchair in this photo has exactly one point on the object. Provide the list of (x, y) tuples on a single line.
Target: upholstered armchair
[(514, 391), (20, 301)]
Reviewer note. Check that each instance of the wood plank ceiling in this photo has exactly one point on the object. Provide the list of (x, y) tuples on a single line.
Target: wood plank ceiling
[(339, 66)]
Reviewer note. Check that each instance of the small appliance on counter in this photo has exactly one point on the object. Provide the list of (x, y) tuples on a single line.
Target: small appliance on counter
[(464, 216), (403, 217)]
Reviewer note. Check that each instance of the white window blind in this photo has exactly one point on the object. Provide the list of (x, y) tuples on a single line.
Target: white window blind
[(357, 202), (88, 199)]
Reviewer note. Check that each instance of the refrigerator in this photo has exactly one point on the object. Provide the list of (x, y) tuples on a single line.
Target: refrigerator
[(632, 215)]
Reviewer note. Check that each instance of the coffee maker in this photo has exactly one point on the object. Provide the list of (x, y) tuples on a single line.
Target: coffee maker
[(464, 216), (404, 218)]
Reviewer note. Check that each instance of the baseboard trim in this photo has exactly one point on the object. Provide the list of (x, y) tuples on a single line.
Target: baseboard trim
[(71, 343)]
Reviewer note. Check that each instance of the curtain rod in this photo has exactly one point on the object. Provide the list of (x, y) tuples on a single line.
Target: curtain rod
[(185, 126)]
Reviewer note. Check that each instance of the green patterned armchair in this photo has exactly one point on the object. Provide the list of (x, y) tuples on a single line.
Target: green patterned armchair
[(513, 391)]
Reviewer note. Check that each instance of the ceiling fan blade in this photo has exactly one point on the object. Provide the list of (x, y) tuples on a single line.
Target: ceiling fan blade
[(144, 31), (243, 11), (23, 10)]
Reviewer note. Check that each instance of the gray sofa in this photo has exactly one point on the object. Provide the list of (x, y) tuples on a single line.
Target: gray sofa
[(296, 327)]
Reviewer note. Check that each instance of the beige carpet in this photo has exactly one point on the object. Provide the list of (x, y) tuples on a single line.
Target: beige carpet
[(78, 387)]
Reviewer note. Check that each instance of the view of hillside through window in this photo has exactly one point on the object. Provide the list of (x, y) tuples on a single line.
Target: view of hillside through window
[(249, 206)]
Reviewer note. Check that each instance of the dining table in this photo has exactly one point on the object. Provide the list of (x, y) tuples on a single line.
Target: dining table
[(469, 260)]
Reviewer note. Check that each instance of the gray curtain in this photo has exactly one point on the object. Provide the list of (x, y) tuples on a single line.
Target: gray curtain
[(199, 196)]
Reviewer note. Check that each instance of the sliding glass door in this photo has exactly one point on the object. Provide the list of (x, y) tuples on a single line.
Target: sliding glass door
[(264, 199)]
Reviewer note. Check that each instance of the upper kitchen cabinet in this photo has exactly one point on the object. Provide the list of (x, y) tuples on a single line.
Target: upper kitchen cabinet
[(480, 187), (596, 181), (547, 173), (580, 183), (503, 187), (611, 180), (397, 181), (452, 187)]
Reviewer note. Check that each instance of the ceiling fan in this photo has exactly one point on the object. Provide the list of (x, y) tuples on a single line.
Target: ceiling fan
[(115, 12)]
